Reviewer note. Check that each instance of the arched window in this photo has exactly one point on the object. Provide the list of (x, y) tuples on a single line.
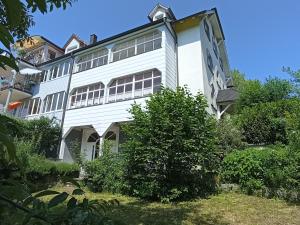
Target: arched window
[(136, 85), (110, 136), (93, 137), (87, 95), (92, 60), (146, 43)]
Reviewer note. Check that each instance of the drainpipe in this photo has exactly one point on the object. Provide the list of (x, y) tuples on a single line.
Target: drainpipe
[(10, 91), (66, 100)]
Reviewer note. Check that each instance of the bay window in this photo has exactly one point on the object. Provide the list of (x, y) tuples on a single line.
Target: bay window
[(31, 107), (88, 95), (132, 86), (146, 43), (92, 60)]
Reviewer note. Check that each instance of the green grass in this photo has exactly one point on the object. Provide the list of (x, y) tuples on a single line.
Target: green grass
[(222, 209)]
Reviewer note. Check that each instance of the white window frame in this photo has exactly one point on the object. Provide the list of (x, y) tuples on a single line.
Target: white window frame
[(25, 107), (90, 59), (155, 35), (132, 80), (90, 89), (46, 102)]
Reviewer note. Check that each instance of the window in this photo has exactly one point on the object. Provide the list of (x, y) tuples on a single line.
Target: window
[(215, 48), (31, 107), (43, 76), (54, 102), (137, 85), (88, 95), (140, 45), (60, 70), (206, 28), (221, 64), (92, 60), (51, 54), (209, 61)]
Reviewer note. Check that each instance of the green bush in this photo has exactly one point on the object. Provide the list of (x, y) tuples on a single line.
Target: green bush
[(260, 168), (106, 172), (293, 129), (229, 135), (265, 123), (170, 147)]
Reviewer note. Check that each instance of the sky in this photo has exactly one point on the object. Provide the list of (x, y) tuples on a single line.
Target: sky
[(261, 36)]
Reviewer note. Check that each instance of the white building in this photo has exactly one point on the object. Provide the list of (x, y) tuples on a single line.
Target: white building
[(89, 88)]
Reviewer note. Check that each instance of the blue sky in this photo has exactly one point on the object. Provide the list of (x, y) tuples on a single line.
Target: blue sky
[(261, 35)]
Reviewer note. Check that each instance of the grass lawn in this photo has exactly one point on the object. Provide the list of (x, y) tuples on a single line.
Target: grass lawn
[(222, 209)]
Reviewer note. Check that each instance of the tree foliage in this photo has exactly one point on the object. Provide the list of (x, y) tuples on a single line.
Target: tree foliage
[(16, 19), (170, 148)]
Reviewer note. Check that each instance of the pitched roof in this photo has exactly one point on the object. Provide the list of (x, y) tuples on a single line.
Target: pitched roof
[(227, 95), (74, 36)]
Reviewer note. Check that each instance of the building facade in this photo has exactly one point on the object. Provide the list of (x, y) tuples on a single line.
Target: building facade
[(88, 88)]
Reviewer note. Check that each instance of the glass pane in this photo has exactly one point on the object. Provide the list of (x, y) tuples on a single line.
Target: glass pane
[(83, 96), (30, 106), (54, 103), (96, 94), (121, 81), (91, 95), (147, 83), (72, 100), (61, 67), (138, 85), (156, 81), (149, 46), (113, 83), (156, 73), (78, 97), (128, 79), (157, 43), (66, 68), (128, 87), (112, 91), (148, 74), (139, 77), (120, 89), (131, 52), (49, 103), (60, 100), (101, 93), (140, 49)]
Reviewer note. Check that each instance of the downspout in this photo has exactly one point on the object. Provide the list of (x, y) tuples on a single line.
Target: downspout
[(66, 100)]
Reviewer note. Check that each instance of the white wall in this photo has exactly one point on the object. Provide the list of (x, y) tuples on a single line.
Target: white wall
[(190, 59), (101, 116)]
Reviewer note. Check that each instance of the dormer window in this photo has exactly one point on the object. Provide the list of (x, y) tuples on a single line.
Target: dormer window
[(160, 12), (159, 16)]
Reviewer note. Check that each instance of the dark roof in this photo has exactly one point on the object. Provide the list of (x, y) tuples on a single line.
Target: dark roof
[(134, 30), (227, 95)]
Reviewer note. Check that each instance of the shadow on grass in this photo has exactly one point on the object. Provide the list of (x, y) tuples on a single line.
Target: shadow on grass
[(142, 213)]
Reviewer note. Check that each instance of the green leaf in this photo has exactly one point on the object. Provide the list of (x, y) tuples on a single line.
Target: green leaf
[(58, 199), (45, 193), (9, 61), (72, 203), (78, 191), (13, 9)]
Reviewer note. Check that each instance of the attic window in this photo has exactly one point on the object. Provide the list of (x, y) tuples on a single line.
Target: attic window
[(72, 48), (159, 16), (206, 28)]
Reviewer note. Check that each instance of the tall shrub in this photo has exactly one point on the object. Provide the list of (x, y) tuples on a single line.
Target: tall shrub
[(265, 123), (170, 150)]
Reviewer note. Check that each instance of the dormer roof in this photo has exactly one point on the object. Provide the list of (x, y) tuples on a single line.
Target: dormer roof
[(166, 12), (74, 36)]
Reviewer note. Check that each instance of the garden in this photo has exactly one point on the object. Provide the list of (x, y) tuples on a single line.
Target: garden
[(179, 165)]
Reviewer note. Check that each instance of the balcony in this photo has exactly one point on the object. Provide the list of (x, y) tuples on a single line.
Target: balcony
[(21, 87)]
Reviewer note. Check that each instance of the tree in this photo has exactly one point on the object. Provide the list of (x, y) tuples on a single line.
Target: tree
[(276, 89), (15, 21), (170, 149), (295, 79), (239, 79)]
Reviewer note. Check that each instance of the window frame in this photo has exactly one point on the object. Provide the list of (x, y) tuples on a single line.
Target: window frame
[(89, 89), (141, 78), (209, 60), (88, 61), (135, 43), (207, 29), (48, 108)]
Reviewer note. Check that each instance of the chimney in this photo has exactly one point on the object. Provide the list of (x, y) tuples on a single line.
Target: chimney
[(93, 38)]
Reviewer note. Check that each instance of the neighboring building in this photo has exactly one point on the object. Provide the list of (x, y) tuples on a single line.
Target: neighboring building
[(89, 88)]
